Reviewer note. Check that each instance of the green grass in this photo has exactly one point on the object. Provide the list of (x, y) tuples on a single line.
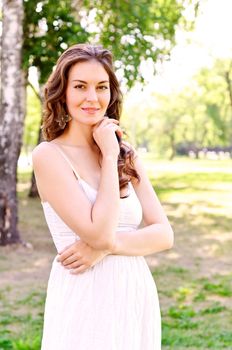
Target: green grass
[(194, 279), (197, 312), (21, 321)]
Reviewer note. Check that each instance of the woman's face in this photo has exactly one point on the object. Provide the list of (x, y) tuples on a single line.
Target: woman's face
[(87, 92)]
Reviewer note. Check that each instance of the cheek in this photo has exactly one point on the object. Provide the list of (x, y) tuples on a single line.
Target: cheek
[(71, 98), (68, 97)]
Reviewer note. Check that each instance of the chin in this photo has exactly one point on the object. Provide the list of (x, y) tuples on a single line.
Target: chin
[(93, 118), (91, 121)]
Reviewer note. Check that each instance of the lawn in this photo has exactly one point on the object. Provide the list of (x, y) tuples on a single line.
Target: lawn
[(194, 279)]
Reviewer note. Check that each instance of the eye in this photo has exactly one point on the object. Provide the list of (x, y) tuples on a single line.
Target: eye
[(79, 86), (103, 87)]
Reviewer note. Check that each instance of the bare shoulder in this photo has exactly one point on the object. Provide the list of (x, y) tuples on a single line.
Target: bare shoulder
[(42, 153), (41, 148), (52, 172)]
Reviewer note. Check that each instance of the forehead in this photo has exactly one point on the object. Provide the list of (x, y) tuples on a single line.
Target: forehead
[(88, 71)]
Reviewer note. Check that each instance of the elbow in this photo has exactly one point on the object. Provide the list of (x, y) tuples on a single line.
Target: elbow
[(104, 243), (109, 245), (170, 239)]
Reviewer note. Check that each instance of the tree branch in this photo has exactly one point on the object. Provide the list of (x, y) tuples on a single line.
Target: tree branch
[(35, 92)]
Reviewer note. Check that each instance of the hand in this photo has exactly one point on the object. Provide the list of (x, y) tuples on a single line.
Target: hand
[(79, 257), (105, 137)]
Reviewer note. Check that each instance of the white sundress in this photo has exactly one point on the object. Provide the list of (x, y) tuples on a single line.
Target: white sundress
[(111, 306)]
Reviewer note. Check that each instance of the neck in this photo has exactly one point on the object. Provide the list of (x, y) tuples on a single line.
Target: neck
[(80, 137)]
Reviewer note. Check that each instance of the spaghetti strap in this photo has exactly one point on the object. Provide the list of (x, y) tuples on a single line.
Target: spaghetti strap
[(66, 158)]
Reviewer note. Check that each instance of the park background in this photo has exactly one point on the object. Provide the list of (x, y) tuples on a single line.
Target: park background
[(174, 62)]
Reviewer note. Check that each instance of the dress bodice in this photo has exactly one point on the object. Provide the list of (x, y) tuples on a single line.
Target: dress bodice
[(130, 216)]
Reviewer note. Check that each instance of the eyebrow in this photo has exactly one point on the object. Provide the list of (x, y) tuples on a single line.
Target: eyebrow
[(100, 82)]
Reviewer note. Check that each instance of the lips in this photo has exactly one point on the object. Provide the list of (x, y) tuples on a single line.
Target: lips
[(90, 109)]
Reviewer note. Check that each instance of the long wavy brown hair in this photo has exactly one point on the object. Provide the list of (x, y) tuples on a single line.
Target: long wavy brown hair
[(55, 107)]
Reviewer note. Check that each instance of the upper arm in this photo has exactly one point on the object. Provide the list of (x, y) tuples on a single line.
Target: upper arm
[(153, 211), (58, 185)]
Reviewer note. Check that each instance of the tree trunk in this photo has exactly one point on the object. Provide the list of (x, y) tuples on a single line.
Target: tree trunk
[(173, 146), (229, 83), (229, 86), (11, 118)]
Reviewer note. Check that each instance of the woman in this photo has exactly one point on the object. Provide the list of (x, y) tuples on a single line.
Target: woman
[(95, 192)]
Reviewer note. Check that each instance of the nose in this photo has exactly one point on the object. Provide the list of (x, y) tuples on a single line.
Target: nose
[(91, 94)]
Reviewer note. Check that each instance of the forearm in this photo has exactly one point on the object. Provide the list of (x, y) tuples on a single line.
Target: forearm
[(105, 210), (144, 241)]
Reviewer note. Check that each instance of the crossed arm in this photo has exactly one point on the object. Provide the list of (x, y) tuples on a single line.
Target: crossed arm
[(156, 234)]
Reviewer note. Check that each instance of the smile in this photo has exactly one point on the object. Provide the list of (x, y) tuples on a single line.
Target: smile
[(90, 110)]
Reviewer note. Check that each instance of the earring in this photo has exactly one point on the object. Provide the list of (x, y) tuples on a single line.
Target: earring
[(63, 120), (68, 118)]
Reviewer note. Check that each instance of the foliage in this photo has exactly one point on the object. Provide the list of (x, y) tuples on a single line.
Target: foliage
[(200, 116), (138, 122), (123, 26), (49, 27), (126, 28), (32, 120), (216, 86)]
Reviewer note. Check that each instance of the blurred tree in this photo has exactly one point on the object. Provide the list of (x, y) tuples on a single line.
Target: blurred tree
[(168, 114), (134, 30), (123, 27), (138, 121), (228, 78), (11, 117), (216, 86), (32, 120), (49, 28), (198, 117)]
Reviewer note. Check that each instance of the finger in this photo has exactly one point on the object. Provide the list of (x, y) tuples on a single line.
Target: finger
[(116, 129), (65, 255), (74, 265), (107, 121), (99, 122), (72, 249), (73, 258), (80, 269), (111, 120), (119, 132), (103, 123)]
